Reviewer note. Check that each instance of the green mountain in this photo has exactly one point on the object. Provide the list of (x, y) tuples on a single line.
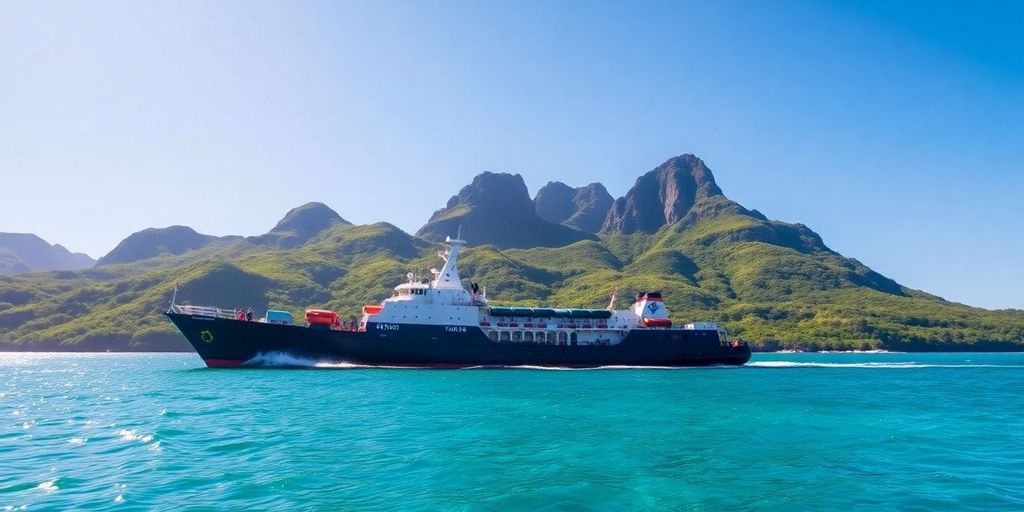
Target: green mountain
[(23, 252), (300, 225), (153, 242), (773, 283)]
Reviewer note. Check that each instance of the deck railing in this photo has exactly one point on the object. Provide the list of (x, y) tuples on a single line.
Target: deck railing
[(207, 311)]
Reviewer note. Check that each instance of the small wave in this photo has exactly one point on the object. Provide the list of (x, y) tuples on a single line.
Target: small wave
[(49, 485), (78, 440), (795, 364), (874, 351), (131, 435), (598, 368)]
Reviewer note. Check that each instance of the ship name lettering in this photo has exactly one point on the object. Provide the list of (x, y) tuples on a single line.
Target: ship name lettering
[(387, 327), (455, 328)]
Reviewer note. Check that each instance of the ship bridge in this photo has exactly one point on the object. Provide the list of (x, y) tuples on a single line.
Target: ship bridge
[(443, 300)]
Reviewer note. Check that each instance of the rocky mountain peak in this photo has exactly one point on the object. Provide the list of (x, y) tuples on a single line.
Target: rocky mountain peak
[(496, 192), (495, 208), (553, 201), (662, 196), (583, 208)]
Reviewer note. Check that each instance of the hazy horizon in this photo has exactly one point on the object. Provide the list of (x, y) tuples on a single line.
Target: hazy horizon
[(896, 131)]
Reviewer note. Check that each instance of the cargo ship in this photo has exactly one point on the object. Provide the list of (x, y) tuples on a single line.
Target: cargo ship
[(439, 323)]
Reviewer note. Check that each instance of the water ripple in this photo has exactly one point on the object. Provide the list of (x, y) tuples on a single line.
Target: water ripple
[(790, 431)]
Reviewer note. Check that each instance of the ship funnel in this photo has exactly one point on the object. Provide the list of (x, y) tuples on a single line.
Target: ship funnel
[(649, 305)]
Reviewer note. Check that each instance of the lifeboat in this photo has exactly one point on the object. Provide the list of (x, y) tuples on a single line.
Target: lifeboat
[(321, 317), (657, 322), (372, 309)]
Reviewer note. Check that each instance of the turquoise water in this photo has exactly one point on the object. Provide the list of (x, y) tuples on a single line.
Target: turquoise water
[(787, 432)]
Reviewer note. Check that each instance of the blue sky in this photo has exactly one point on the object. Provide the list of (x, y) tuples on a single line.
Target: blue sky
[(894, 129)]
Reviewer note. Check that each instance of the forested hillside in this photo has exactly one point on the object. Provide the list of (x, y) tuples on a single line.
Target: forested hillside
[(774, 284)]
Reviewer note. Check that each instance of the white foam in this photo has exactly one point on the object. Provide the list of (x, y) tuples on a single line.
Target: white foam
[(280, 360), (901, 365), (48, 486), (343, 365), (131, 435), (78, 440), (285, 360)]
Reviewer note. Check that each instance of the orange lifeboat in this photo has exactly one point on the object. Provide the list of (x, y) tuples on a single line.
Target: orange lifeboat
[(372, 309), (657, 322), (321, 317)]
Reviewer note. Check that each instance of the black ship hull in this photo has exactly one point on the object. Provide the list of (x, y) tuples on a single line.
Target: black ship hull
[(226, 343)]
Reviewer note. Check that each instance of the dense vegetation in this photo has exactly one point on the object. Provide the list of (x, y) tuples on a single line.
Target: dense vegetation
[(773, 284)]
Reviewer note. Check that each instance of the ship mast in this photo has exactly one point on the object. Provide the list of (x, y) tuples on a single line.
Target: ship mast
[(448, 276), (611, 303)]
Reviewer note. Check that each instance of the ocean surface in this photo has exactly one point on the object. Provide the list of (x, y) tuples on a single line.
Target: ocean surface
[(786, 432)]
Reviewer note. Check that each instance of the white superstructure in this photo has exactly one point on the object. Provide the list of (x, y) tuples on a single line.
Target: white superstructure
[(444, 301), (441, 301)]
